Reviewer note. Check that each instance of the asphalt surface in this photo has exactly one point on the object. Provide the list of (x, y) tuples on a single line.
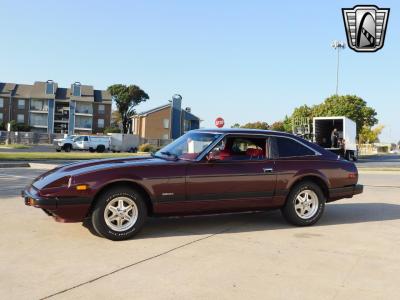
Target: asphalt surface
[(34, 148), (352, 253), (379, 161)]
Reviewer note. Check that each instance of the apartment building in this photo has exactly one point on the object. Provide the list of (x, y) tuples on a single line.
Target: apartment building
[(48, 108), (168, 121)]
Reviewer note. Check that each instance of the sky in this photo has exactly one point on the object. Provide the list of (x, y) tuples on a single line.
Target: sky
[(244, 61)]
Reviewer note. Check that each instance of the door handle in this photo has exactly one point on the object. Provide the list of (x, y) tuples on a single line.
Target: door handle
[(268, 170)]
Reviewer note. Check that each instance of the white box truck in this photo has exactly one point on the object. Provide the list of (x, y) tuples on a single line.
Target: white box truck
[(122, 142), (345, 145)]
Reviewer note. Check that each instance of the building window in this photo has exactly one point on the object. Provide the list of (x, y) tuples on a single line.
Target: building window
[(49, 87), (1, 117), (186, 125), (83, 122), (38, 119), (84, 108), (39, 105), (76, 89), (100, 123), (1, 102), (20, 118), (21, 104), (101, 109), (166, 123)]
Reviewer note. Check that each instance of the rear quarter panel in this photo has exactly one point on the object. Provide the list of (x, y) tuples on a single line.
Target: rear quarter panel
[(334, 173)]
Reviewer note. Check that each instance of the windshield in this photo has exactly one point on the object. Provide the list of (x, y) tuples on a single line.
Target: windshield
[(188, 146)]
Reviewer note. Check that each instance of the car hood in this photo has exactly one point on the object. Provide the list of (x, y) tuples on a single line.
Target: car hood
[(80, 168)]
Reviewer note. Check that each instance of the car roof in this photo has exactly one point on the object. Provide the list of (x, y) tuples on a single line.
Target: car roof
[(244, 131)]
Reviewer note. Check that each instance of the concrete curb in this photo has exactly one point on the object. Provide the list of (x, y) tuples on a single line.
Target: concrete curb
[(15, 165), (43, 166)]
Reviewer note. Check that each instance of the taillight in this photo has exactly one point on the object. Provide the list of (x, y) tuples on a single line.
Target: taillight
[(352, 175)]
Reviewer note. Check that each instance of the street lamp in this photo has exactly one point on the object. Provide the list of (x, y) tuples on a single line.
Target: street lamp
[(337, 45)]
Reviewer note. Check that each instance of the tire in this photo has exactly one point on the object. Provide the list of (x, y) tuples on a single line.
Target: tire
[(111, 229), (355, 156), (67, 148), (348, 155), (293, 208), (58, 150), (91, 150), (100, 148)]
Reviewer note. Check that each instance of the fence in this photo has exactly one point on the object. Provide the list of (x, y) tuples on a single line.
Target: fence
[(27, 138), (158, 143)]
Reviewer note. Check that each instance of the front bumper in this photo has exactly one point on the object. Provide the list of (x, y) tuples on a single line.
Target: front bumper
[(64, 209), (345, 192), (32, 198)]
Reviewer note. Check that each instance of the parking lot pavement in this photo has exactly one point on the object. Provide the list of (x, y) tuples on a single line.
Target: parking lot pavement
[(353, 252)]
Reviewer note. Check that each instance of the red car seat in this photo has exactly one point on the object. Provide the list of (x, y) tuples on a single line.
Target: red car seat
[(255, 153)]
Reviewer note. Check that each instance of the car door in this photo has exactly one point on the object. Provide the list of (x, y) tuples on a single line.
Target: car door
[(238, 182), (78, 143), (86, 143)]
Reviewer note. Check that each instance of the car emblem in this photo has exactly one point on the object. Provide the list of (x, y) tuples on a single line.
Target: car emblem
[(365, 27)]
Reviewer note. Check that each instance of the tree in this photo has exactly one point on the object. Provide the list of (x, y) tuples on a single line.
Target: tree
[(287, 124), (115, 118), (278, 126), (256, 125), (303, 111), (369, 135), (236, 125), (126, 98)]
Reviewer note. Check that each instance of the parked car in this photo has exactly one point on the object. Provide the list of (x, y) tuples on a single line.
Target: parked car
[(83, 142), (123, 142), (202, 172)]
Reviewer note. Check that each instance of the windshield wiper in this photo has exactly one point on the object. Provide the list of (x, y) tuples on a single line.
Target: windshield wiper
[(167, 153)]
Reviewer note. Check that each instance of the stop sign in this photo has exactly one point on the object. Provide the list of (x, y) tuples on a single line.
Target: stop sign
[(219, 122)]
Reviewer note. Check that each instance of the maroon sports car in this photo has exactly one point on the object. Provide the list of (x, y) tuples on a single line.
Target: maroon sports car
[(202, 172)]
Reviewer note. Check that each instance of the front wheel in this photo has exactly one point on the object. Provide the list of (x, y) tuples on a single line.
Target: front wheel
[(119, 214), (67, 148), (305, 204)]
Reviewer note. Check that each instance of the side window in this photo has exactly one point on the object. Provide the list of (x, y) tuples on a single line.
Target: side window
[(240, 148), (287, 147), (86, 139)]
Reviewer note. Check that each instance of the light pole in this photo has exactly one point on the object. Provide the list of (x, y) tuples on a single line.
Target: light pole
[(337, 45)]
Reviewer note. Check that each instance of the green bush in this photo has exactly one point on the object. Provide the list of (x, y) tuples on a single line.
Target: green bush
[(112, 129), (19, 127), (147, 148)]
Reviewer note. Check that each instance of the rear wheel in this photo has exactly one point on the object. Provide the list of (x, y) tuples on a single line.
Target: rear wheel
[(348, 155), (119, 214), (100, 148), (305, 204)]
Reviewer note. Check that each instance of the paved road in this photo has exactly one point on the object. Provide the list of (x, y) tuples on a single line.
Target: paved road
[(34, 148), (380, 161), (354, 252)]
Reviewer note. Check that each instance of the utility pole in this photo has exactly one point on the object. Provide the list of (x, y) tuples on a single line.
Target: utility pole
[(337, 45)]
